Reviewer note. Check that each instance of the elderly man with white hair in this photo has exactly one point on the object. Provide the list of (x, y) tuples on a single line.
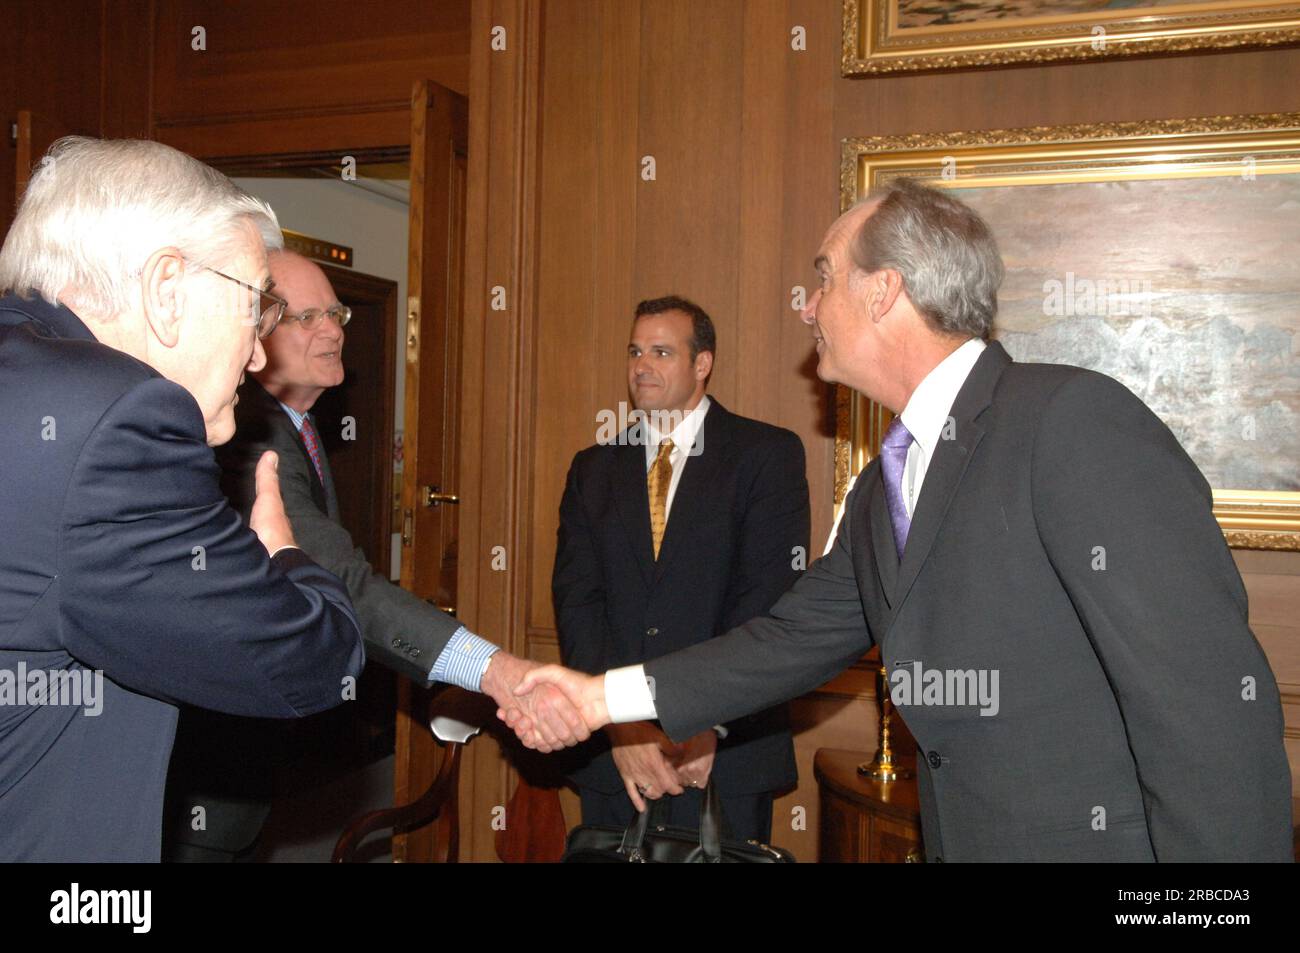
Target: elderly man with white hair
[(136, 288), (137, 292)]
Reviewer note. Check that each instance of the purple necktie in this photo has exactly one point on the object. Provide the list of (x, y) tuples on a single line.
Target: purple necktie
[(313, 446), (893, 460)]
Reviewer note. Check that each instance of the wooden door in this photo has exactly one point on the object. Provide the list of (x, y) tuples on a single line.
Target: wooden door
[(360, 450), (439, 138), (33, 133)]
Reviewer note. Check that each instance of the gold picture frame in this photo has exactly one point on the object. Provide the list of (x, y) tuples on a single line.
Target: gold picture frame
[(885, 36), (1191, 155)]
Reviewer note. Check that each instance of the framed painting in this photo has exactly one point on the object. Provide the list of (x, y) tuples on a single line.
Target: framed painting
[(892, 36), (1165, 254)]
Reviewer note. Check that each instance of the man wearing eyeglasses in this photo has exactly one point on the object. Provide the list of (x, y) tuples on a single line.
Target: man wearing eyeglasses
[(134, 282), (224, 764)]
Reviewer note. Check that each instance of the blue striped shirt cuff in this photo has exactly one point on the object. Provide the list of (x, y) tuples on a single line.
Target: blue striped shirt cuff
[(463, 660)]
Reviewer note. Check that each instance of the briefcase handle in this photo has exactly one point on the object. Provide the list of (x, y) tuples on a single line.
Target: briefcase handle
[(633, 844)]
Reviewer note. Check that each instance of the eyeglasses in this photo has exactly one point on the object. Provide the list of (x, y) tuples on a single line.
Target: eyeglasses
[(311, 318), (265, 310)]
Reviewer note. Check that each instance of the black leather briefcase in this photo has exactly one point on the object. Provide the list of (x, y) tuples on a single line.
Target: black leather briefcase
[(646, 842)]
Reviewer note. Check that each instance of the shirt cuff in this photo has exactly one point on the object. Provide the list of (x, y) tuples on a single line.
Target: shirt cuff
[(628, 696), (463, 660)]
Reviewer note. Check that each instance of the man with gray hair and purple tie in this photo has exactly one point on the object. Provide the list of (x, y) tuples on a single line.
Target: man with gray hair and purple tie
[(1029, 528)]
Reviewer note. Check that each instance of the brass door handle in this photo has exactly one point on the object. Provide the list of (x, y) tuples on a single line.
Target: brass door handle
[(432, 496), (450, 610)]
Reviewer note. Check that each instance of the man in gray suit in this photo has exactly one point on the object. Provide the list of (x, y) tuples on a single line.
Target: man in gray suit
[(1036, 557), (224, 764)]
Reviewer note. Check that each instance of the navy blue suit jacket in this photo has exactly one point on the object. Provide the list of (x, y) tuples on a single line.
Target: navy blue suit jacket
[(120, 554)]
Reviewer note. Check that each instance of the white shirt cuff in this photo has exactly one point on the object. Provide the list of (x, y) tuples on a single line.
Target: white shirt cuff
[(628, 696)]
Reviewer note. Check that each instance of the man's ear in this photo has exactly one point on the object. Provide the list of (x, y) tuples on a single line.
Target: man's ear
[(703, 365), (883, 289), (162, 293)]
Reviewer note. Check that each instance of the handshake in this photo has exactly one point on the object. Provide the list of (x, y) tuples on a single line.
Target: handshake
[(548, 706), (551, 707)]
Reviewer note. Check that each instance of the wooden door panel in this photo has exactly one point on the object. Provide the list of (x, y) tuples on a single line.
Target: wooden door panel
[(360, 455), (439, 136), (35, 133)]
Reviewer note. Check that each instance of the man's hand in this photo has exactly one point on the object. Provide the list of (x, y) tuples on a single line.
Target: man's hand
[(267, 519), (585, 692), (693, 760), (544, 718), (642, 754)]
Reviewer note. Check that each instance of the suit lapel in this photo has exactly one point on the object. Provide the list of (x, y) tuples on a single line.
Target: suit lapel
[(261, 419), (632, 500), (327, 485), (951, 458), (882, 537), (693, 488)]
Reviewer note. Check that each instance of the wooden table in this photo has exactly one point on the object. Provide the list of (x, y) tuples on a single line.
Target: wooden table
[(865, 821)]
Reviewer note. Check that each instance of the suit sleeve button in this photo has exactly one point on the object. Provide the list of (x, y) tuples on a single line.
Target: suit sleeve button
[(934, 759), (652, 632)]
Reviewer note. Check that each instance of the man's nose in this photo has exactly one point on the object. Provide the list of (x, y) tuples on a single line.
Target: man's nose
[(809, 311), (331, 331), (258, 360)]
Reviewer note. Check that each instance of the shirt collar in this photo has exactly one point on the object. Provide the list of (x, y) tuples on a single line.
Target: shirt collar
[(296, 417), (683, 435), (928, 409)]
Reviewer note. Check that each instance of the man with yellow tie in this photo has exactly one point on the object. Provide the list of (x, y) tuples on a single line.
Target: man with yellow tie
[(691, 521)]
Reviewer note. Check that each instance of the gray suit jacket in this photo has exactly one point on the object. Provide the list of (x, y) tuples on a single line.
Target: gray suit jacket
[(401, 630), (1064, 540)]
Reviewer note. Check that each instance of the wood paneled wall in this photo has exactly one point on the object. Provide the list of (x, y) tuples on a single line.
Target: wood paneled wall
[(270, 70)]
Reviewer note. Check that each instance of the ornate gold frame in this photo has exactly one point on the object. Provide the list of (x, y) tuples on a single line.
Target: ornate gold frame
[(874, 44), (1251, 519)]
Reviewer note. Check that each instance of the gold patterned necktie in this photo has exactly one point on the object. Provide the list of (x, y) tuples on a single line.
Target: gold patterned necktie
[(657, 482)]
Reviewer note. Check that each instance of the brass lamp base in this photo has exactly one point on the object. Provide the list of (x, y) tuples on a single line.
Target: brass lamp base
[(883, 767)]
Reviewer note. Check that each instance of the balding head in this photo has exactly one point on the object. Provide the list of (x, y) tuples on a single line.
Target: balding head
[(302, 362)]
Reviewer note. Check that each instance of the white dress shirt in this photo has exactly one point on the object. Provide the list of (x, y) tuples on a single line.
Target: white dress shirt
[(925, 417), (628, 696), (683, 438)]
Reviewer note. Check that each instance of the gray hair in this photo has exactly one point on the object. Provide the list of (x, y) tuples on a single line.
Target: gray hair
[(96, 209), (943, 250)]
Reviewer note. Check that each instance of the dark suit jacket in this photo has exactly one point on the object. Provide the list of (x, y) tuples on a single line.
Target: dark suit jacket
[(1121, 689), (227, 764), (122, 555), (401, 630), (740, 510)]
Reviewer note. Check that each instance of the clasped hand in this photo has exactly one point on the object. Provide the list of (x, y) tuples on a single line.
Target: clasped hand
[(542, 715), (652, 765)]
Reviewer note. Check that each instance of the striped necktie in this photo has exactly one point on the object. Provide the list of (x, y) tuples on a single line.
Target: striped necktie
[(309, 437)]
